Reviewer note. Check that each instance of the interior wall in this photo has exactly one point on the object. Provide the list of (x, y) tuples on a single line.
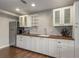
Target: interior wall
[(4, 28), (45, 24)]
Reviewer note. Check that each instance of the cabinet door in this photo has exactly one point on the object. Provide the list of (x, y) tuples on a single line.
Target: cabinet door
[(53, 48), (25, 21), (28, 42), (24, 41), (19, 42), (38, 44), (76, 48), (76, 51), (29, 21), (35, 43), (44, 46), (67, 15), (57, 17), (21, 20), (67, 49), (76, 36)]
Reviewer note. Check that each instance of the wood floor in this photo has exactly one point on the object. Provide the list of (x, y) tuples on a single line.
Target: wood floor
[(12, 52)]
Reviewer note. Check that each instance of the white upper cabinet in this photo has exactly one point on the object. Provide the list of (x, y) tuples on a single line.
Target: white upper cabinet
[(67, 15), (57, 17), (21, 19), (62, 16), (25, 21)]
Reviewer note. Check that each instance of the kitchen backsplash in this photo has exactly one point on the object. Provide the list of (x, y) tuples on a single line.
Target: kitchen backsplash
[(45, 25)]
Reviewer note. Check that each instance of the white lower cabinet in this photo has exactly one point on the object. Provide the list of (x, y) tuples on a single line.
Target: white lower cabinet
[(77, 48), (61, 48), (44, 46), (19, 41), (53, 48), (35, 43), (28, 42), (58, 48), (67, 49), (40, 45), (23, 39), (24, 42), (77, 51)]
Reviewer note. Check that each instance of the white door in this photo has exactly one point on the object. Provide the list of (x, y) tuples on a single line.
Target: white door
[(77, 50), (76, 28), (28, 43), (57, 17), (44, 46), (25, 21), (19, 42), (67, 15), (29, 21), (67, 49), (38, 44), (34, 43), (24, 41), (53, 48), (21, 21)]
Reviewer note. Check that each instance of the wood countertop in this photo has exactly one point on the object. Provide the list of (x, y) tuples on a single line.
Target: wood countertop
[(50, 36)]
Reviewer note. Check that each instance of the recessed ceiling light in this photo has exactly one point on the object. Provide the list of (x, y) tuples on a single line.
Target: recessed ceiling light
[(17, 9), (33, 5)]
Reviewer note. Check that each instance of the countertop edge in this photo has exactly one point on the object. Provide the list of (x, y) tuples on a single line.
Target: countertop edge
[(51, 36)]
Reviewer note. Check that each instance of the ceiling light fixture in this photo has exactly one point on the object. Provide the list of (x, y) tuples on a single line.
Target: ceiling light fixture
[(33, 5), (17, 9)]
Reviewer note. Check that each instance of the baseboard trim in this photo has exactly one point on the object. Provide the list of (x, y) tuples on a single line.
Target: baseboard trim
[(4, 46), (33, 51)]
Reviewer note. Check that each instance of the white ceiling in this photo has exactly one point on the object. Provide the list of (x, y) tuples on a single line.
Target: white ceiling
[(11, 5)]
